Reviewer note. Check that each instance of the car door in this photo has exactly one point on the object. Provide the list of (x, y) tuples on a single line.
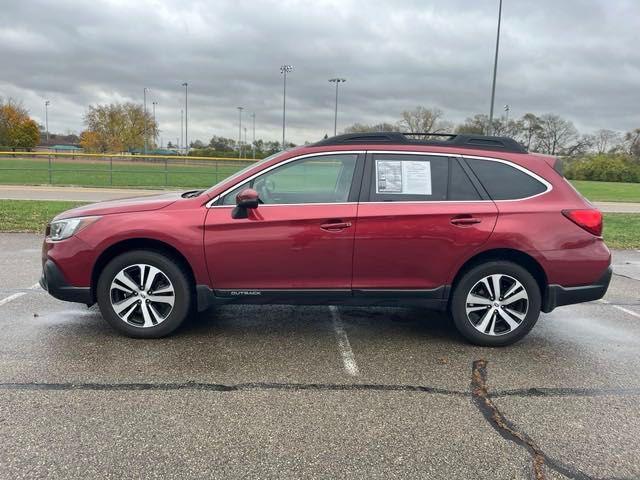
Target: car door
[(418, 214), (299, 238)]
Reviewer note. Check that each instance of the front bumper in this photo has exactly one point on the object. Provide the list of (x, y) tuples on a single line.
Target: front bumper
[(53, 281), (557, 295)]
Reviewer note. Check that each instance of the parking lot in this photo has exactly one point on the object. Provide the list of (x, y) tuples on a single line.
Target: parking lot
[(314, 392)]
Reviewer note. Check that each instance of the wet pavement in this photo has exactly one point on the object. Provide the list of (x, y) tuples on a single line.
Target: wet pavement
[(311, 392)]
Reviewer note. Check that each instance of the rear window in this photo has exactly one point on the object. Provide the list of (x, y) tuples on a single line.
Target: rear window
[(505, 182)]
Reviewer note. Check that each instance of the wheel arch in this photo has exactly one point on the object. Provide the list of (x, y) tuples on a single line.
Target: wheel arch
[(506, 254), (138, 244)]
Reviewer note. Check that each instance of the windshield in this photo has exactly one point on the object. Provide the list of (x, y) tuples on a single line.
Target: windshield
[(239, 173)]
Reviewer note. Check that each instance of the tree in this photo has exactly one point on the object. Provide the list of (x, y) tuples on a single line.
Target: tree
[(378, 127), (198, 144), (423, 120), (555, 136), (632, 143), (118, 127), (605, 140), (478, 124), (17, 129), (530, 127)]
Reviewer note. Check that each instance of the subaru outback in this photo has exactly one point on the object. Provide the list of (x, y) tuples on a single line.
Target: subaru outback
[(473, 225)]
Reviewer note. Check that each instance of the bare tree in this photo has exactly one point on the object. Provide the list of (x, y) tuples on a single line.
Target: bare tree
[(423, 120), (555, 135), (477, 124), (632, 143), (605, 140), (378, 127)]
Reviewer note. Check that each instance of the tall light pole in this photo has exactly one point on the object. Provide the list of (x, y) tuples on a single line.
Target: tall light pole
[(181, 144), (239, 131), (245, 139), (253, 117), (507, 108), (495, 70), (46, 117), (145, 119), (186, 116), (155, 125), (337, 81), (284, 69)]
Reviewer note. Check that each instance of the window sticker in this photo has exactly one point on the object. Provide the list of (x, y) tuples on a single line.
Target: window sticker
[(409, 177)]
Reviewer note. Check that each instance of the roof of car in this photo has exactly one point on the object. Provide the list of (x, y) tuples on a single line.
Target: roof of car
[(471, 141)]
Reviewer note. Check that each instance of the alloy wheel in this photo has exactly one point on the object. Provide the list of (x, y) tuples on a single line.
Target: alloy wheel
[(142, 295), (497, 305)]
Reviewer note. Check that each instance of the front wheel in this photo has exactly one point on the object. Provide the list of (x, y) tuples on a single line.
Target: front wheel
[(495, 304), (144, 294)]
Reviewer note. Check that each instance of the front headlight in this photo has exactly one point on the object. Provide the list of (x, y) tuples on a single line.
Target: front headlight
[(61, 229)]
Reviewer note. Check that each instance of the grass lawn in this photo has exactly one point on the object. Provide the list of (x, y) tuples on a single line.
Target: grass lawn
[(608, 191), (30, 215), (103, 173), (621, 230)]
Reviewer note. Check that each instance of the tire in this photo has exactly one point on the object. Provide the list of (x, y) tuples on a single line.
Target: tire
[(495, 323), (140, 314)]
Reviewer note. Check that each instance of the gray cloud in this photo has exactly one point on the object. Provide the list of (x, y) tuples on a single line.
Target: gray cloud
[(578, 58)]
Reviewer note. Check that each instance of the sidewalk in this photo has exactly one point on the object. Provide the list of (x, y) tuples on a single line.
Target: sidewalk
[(85, 194), (75, 194)]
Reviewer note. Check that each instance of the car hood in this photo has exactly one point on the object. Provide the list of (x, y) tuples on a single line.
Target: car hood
[(123, 205)]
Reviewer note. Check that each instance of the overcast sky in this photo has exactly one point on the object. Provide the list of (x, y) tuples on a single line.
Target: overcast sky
[(577, 58)]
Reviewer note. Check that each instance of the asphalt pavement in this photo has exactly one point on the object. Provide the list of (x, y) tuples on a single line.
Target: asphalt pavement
[(314, 392), (87, 194)]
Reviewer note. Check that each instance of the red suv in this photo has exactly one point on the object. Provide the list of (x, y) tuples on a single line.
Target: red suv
[(472, 224)]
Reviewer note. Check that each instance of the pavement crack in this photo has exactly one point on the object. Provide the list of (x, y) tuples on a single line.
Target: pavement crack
[(219, 387), (483, 401)]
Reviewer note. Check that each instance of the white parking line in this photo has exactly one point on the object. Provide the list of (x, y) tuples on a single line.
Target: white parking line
[(10, 298), (348, 359), (622, 309)]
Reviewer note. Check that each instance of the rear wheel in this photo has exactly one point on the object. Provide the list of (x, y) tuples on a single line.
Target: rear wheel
[(495, 304), (144, 294)]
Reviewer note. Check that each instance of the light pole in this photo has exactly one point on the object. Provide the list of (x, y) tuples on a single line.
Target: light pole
[(186, 116), (155, 126), (507, 108), (239, 131), (284, 69), (335, 117), (245, 139), (181, 130), (46, 117), (253, 117), (145, 118), (495, 70)]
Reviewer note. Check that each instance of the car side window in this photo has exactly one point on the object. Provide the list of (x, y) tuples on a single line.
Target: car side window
[(318, 179), (397, 177), (460, 186), (503, 181)]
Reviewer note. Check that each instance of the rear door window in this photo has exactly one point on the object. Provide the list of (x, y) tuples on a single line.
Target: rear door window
[(397, 177)]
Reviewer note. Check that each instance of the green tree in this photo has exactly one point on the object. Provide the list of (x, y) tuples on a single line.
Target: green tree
[(118, 127), (17, 129)]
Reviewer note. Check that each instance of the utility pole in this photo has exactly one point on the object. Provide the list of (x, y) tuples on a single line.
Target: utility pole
[(337, 81), (186, 116), (240, 131), (145, 119), (46, 117), (284, 69), (253, 117), (155, 125), (495, 70)]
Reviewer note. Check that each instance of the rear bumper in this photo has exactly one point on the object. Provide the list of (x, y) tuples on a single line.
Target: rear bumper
[(53, 281), (557, 295)]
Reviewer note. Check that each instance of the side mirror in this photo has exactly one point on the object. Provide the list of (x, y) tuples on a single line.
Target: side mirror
[(245, 200)]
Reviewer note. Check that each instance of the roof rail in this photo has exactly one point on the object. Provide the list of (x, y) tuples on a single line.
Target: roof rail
[(463, 140)]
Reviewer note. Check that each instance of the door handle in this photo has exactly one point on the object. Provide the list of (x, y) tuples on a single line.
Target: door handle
[(335, 226), (465, 221)]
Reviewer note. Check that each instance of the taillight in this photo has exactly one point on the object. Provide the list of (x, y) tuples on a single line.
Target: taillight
[(590, 220)]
